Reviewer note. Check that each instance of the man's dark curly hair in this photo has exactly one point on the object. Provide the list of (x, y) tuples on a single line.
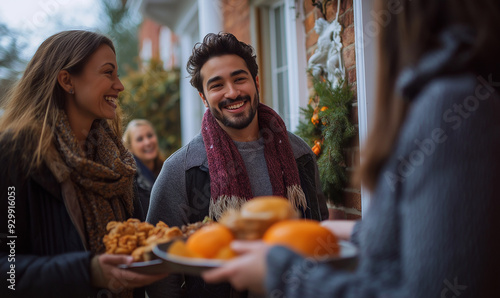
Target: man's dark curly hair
[(215, 45)]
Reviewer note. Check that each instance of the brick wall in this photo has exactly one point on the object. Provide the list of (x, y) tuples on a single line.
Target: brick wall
[(151, 30), (236, 16), (352, 194), (167, 51)]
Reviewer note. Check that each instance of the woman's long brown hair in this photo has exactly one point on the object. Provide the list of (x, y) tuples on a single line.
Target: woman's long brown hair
[(409, 31), (36, 101)]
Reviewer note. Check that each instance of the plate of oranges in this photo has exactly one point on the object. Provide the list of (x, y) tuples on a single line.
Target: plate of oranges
[(212, 249), (269, 219), (272, 220)]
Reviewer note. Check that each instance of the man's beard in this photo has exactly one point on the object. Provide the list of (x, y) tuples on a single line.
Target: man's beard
[(240, 121)]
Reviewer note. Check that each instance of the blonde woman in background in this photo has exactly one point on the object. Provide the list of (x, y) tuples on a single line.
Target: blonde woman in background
[(65, 174), (141, 139)]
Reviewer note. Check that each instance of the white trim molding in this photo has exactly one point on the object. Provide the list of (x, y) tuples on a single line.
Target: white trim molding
[(297, 70), (365, 77)]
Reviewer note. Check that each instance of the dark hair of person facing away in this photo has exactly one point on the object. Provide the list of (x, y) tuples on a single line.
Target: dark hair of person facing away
[(405, 37), (215, 45), (34, 104)]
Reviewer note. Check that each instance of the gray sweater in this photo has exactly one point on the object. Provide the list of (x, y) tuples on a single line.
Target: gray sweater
[(433, 225)]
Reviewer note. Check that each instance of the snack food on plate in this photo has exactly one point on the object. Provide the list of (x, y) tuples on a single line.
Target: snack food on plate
[(272, 219), (188, 230), (137, 238)]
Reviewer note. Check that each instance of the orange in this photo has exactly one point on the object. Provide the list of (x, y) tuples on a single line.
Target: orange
[(179, 248), (209, 240), (306, 237), (225, 253)]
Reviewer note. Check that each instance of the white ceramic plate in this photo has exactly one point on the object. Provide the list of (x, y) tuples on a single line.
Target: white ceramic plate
[(347, 259)]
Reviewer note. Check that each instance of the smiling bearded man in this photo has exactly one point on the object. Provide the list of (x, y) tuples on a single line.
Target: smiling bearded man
[(244, 150), (242, 121)]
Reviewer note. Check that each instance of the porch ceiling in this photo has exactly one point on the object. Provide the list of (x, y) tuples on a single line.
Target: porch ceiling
[(166, 12)]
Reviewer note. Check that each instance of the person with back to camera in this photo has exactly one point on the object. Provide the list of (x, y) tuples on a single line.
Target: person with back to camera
[(67, 174), (432, 161), (243, 151), (141, 139)]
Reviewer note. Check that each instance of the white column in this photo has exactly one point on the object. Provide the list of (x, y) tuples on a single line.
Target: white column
[(365, 76), (210, 17), (190, 101)]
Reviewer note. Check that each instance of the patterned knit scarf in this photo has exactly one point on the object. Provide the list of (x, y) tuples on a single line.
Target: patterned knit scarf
[(102, 176), (229, 182)]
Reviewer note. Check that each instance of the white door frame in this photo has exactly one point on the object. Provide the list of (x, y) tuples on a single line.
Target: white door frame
[(365, 75), (296, 54)]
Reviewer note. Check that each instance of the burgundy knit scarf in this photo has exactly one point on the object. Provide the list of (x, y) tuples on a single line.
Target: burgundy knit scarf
[(229, 182)]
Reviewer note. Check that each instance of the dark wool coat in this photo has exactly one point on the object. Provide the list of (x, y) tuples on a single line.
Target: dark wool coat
[(49, 254)]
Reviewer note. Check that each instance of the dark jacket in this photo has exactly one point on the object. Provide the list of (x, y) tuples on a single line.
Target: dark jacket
[(45, 246), (145, 180), (181, 195)]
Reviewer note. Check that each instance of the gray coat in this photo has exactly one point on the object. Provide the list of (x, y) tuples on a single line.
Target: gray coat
[(433, 224)]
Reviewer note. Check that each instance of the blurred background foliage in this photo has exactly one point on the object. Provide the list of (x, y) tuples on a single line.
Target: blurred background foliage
[(121, 21), (153, 94), (11, 62)]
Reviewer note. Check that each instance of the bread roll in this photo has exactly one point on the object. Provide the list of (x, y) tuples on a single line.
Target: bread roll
[(257, 215)]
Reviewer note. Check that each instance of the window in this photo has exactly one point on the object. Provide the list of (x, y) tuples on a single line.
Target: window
[(279, 36), (146, 52), (279, 63)]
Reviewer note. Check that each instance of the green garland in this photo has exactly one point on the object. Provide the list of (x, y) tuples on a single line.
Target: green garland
[(327, 128)]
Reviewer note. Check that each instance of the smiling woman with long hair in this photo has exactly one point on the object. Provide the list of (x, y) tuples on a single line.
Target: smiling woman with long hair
[(432, 161), (67, 172), (141, 139)]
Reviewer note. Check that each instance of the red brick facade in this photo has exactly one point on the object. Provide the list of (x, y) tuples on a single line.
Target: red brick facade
[(236, 20), (150, 30)]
